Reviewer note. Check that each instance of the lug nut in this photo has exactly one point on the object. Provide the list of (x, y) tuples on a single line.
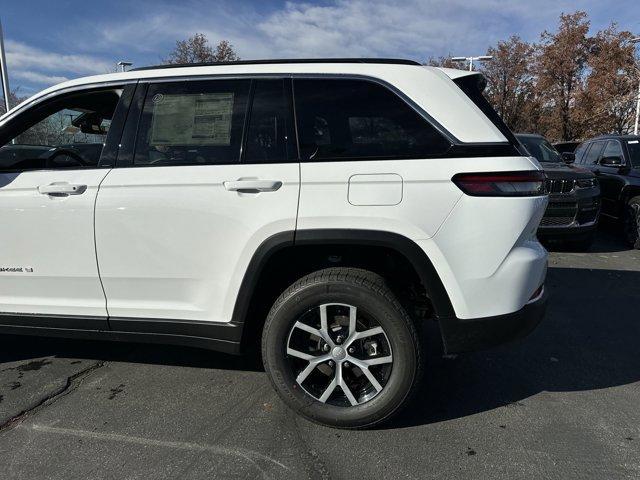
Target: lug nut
[(339, 339), (346, 364), (352, 350), (331, 363), (325, 347)]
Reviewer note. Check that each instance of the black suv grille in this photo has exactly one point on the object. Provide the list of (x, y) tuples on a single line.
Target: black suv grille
[(559, 186), (559, 214)]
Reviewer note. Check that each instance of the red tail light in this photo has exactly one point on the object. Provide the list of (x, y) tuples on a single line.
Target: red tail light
[(526, 183)]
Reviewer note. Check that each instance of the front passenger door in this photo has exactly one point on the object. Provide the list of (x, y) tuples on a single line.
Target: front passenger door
[(50, 172)]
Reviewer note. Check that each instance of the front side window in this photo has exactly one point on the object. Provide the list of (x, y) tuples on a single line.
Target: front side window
[(192, 123), (66, 132), (593, 154), (613, 149), (357, 119)]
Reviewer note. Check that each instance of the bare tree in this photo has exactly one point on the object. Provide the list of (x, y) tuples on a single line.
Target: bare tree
[(14, 100), (225, 52), (196, 49), (444, 62)]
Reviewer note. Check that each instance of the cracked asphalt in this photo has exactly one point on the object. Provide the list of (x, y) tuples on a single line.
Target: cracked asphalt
[(562, 403)]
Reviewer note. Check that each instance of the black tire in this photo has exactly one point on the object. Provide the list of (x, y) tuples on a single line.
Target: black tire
[(372, 299), (631, 222)]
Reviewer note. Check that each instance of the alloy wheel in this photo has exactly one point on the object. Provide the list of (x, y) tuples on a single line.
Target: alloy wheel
[(340, 355)]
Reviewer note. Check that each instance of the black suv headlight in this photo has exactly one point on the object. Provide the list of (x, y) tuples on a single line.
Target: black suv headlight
[(587, 183)]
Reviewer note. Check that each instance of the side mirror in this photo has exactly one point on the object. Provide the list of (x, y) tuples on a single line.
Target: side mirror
[(612, 161), (568, 157)]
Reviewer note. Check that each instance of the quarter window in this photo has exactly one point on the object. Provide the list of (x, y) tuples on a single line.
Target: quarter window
[(357, 119), (192, 123)]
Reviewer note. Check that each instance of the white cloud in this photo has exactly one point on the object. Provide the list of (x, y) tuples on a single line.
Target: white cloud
[(22, 57), (39, 78), (414, 29)]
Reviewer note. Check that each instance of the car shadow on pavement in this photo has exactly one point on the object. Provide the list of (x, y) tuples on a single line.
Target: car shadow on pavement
[(17, 348), (609, 239), (587, 341)]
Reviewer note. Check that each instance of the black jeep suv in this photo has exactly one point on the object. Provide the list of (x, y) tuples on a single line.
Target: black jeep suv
[(615, 160), (574, 196)]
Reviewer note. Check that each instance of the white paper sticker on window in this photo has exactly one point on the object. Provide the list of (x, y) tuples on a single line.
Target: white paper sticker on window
[(200, 119)]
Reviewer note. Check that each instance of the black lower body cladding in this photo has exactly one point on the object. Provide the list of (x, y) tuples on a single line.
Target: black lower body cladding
[(481, 333)]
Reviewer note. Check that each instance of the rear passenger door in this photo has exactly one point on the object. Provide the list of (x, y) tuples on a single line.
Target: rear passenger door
[(211, 174), (355, 137)]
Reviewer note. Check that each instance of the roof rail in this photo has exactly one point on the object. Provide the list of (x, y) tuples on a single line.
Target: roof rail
[(397, 61)]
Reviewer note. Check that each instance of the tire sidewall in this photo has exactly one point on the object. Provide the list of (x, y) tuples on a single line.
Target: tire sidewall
[(632, 223), (405, 356)]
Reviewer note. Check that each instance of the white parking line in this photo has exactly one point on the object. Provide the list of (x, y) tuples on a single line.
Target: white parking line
[(248, 455)]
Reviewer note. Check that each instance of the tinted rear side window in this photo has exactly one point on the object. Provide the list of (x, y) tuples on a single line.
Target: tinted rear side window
[(268, 138), (358, 119), (192, 123)]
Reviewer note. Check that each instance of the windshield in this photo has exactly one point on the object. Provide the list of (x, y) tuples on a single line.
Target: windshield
[(541, 149), (634, 152)]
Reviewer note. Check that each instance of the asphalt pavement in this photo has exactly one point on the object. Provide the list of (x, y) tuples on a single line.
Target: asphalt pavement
[(562, 403)]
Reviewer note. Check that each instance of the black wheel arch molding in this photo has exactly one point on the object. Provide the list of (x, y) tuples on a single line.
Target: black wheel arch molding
[(231, 337)]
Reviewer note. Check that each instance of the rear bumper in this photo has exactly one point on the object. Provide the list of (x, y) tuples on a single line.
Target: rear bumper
[(481, 333)]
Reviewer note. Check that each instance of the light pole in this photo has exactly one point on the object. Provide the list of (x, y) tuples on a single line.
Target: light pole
[(123, 65), (635, 129), (481, 58), (3, 72)]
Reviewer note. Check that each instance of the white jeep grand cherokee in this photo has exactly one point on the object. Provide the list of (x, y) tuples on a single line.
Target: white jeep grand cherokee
[(323, 207)]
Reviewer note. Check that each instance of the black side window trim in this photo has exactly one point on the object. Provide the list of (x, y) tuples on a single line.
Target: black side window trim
[(458, 148), (126, 151), (109, 154)]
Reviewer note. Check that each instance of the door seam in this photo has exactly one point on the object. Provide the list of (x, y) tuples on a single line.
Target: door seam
[(95, 246)]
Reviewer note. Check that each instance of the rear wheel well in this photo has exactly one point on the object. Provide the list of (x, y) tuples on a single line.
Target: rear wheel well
[(291, 263), (627, 194)]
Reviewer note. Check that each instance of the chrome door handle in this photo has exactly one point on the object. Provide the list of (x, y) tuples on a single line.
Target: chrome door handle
[(252, 186), (62, 188)]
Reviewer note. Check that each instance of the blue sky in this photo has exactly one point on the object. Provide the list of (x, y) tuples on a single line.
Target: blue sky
[(50, 41)]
